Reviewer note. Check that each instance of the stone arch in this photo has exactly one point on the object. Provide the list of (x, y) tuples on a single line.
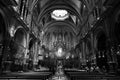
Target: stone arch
[(99, 32), (101, 53), (31, 43), (101, 41), (21, 37), (114, 22)]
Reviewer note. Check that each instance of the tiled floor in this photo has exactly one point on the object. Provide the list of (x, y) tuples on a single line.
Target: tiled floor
[(45, 75)]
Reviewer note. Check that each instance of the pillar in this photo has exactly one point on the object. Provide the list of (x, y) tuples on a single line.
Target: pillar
[(93, 49), (25, 64), (83, 53), (35, 55)]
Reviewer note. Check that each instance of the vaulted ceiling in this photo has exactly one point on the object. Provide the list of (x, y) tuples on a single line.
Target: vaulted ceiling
[(51, 18), (82, 9), (81, 12)]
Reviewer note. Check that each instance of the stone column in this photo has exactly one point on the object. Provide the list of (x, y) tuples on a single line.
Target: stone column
[(25, 64), (93, 49), (83, 53), (35, 52)]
